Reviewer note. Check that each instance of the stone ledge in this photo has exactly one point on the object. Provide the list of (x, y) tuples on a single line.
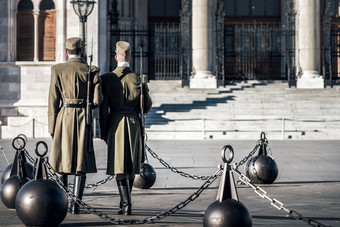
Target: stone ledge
[(210, 82), (310, 83)]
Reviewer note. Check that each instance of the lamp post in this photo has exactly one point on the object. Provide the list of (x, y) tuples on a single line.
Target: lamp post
[(83, 8)]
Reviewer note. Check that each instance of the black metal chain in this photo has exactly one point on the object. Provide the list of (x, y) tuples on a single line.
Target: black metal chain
[(209, 180), (274, 202), (249, 155), (95, 185), (30, 158), (2, 150), (151, 219), (173, 169)]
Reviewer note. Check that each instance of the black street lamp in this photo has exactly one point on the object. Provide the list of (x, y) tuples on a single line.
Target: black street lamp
[(83, 8)]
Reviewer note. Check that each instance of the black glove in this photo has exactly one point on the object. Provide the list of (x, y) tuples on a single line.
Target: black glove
[(52, 135)]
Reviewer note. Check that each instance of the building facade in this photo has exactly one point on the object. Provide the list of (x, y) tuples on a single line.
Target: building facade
[(203, 43)]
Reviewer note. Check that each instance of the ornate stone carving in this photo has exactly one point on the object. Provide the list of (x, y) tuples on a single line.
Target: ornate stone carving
[(185, 18), (219, 15)]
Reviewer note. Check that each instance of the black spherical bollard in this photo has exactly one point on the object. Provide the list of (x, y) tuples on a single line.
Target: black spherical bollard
[(262, 169), (15, 175), (146, 178), (7, 172), (227, 210), (10, 189), (228, 213), (41, 202)]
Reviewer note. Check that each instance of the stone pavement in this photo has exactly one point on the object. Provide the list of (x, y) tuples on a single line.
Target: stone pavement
[(308, 183)]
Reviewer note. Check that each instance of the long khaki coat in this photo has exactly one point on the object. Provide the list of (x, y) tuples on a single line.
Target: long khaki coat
[(122, 131), (70, 150)]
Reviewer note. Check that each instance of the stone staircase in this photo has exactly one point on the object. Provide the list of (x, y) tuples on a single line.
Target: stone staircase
[(242, 111)]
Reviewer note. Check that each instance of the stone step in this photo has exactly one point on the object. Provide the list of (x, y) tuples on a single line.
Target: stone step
[(240, 111), (264, 103)]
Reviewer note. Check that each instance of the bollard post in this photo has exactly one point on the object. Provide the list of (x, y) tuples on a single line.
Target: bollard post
[(262, 168), (227, 210), (41, 193)]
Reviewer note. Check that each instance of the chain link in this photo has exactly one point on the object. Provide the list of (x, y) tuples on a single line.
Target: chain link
[(209, 180), (274, 202), (95, 185), (151, 219), (29, 157), (173, 169), (191, 198), (249, 155), (258, 144), (2, 149)]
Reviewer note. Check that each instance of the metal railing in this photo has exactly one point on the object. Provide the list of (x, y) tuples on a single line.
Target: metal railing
[(279, 127), (34, 128)]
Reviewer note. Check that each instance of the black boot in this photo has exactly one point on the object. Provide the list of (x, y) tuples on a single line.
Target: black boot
[(131, 180), (125, 196), (63, 178), (78, 190)]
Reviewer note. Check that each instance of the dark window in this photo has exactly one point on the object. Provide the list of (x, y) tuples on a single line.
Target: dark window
[(46, 4), (229, 7), (164, 8), (273, 8), (156, 8), (334, 7), (25, 5), (25, 31), (242, 8), (47, 31), (245, 8), (257, 8)]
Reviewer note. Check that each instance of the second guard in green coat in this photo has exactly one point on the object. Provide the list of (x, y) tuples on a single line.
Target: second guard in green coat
[(120, 124)]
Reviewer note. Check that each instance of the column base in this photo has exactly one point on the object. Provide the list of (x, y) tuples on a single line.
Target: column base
[(203, 79), (310, 83), (310, 80)]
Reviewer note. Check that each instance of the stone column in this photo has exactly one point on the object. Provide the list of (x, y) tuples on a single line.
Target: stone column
[(309, 44), (36, 53), (60, 30), (202, 75)]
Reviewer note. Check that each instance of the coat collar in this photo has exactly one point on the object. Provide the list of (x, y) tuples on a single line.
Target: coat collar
[(75, 60)]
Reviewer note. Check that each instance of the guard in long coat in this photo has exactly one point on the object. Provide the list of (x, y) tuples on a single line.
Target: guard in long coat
[(120, 124), (72, 148)]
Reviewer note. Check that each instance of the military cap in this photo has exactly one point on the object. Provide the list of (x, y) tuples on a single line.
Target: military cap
[(73, 43), (123, 48)]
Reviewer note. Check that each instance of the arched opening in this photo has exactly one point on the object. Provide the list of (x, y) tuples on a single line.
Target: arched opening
[(47, 31), (25, 31)]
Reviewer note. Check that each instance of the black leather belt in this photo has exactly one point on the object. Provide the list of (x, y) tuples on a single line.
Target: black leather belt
[(124, 109), (74, 105)]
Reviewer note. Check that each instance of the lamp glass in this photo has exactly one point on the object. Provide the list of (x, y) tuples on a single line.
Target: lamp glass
[(83, 8)]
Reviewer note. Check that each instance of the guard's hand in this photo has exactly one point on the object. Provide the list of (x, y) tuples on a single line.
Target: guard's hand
[(52, 135), (144, 78)]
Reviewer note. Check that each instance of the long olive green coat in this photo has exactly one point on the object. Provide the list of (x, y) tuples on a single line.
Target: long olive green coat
[(70, 150), (122, 131)]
